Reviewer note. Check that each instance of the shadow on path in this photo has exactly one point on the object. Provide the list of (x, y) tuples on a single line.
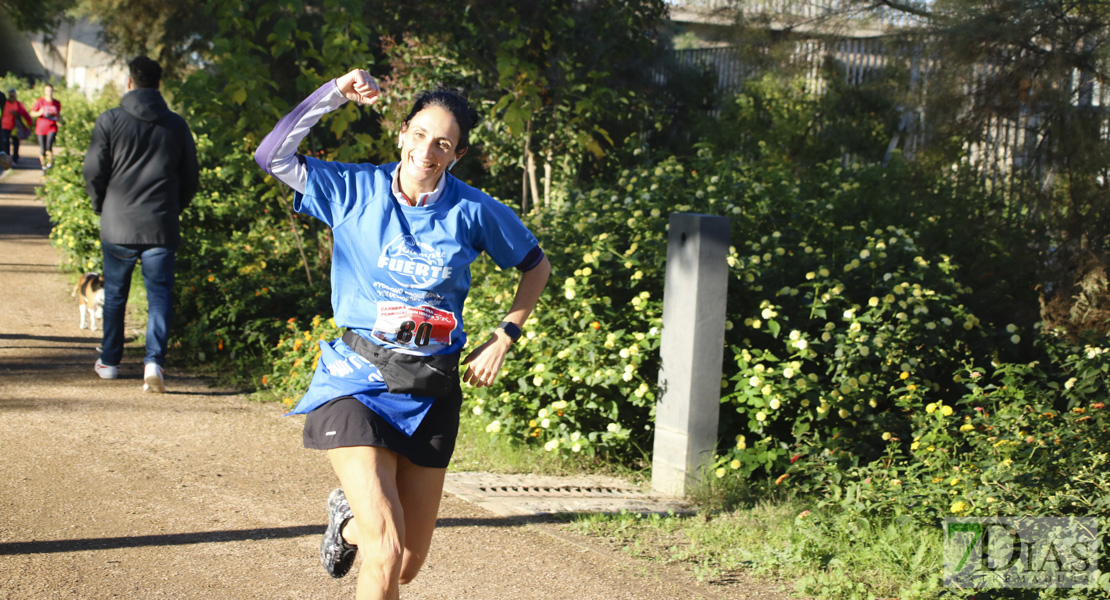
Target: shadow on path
[(212, 537), (172, 539)]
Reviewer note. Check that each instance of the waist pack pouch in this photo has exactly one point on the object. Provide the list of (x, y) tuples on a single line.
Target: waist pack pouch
[(435, 375)]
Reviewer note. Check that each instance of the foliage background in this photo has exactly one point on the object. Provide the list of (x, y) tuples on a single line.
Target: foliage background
[(886, 356)]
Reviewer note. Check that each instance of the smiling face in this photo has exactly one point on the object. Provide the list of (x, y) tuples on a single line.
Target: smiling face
[(429, 142)]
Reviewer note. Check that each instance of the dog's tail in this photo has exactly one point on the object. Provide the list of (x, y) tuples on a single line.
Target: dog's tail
[(81, 282)]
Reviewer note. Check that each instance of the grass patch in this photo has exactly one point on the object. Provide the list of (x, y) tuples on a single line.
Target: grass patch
[(826, 555)]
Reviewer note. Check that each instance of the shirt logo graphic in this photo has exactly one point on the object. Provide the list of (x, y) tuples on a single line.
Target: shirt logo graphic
[(412, 264)]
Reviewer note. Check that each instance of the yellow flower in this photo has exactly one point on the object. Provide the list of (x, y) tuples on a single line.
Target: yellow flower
[(904, 375), (967, 427), (931, 408), (946, 410), (959, 506), (735, 464), (720, 472)]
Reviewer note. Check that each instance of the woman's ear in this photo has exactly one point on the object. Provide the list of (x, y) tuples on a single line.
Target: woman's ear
[(458, 155)]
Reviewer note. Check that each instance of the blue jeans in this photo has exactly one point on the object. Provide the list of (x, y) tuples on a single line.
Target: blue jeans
[(9, 142), (157, 265)]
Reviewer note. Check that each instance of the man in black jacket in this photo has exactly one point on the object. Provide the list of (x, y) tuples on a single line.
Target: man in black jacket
[(141, 172)]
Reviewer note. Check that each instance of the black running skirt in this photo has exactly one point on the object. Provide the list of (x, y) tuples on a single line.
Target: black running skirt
[(347, 422)]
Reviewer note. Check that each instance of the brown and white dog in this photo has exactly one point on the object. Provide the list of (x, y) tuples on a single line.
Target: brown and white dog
[(90, 298)]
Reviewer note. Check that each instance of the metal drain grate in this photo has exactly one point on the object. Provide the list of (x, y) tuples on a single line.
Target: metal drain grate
[(567, 491), (523, 495)]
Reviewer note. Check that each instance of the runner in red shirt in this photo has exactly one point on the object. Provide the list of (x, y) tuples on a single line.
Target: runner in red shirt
[(46, 110), (15, 121)]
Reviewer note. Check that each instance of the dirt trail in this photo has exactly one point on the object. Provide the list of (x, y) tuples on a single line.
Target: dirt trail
[(106, 492)]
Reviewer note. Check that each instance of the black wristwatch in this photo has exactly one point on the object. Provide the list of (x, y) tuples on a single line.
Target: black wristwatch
[(510, 329)]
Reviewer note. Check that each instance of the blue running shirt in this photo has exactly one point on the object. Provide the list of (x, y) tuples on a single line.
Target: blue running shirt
[(400, 274)]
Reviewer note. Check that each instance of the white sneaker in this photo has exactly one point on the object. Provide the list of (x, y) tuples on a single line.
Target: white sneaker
[(153, 377), (105, 371)]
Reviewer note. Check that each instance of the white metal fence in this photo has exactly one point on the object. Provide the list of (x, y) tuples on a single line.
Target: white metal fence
[(1004, 151), (808, 10)]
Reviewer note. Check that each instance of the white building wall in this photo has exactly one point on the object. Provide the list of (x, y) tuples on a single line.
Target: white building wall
[(73, 55)]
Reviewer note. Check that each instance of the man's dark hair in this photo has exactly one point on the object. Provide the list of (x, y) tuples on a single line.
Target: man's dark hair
[(145, 72)]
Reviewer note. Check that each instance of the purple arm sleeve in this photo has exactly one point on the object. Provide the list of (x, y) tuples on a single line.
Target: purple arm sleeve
[(276, 155)]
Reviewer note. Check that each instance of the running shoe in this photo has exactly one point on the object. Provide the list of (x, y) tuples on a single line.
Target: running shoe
[(153, 378), (335, 553), (105, 371)]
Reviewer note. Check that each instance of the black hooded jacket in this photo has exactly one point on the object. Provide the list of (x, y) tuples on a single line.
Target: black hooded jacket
[(141, 170)]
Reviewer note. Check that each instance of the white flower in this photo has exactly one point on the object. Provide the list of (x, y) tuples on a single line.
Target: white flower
[(613, 428), (574, 436), (627, 376), (801, 344), (543, 413), (576, 447), (545, 423), (767, 313), (477, 410), (795, 335), (569, 294), (755, 381), (864, 254), (850, 313), (624, 353), (551, 445), (761, 416), (864, 351), (1011, 328), (788, 372), (1015, 338), (775, 404), (493, 427)]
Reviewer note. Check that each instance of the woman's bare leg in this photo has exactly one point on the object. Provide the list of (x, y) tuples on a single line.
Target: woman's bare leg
[(369, 479), (420, 490)]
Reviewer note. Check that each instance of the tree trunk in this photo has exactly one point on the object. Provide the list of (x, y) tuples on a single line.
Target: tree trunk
[(532, 180), (547, 180)]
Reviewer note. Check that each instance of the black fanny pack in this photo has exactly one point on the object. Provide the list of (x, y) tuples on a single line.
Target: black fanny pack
[(435, 375)]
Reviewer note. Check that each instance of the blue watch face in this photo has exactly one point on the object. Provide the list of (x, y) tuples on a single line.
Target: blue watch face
[(510, 330)]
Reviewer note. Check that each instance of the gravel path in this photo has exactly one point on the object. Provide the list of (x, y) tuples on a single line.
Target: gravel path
[(106, 492)]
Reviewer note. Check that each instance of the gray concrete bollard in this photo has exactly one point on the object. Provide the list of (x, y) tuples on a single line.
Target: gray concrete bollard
[(691, 350)]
